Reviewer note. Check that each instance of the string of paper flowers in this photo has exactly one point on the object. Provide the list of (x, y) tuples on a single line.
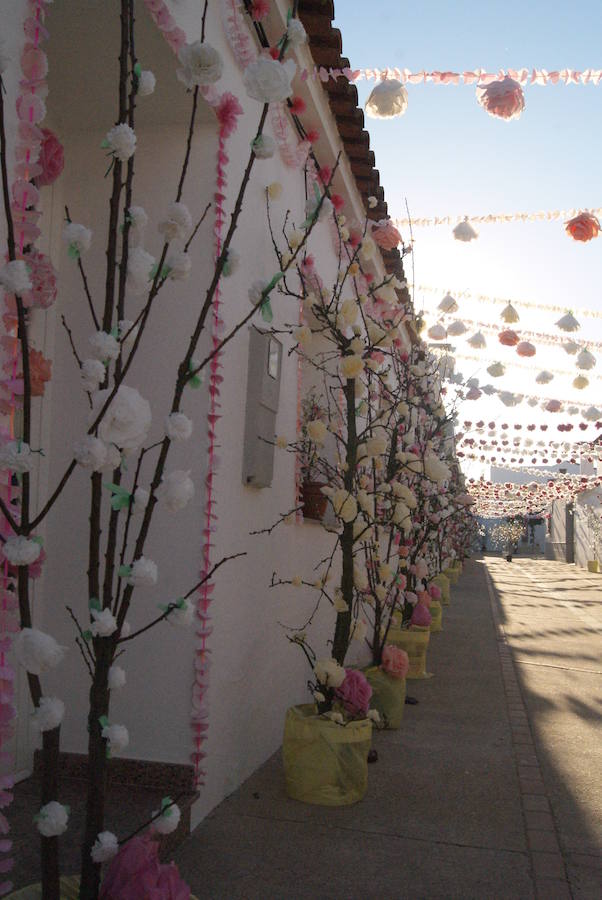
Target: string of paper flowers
[(543, 376), (581, 312), (495, 218), (523, 76)]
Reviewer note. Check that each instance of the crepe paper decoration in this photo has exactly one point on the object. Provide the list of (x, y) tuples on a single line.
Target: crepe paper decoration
[(386, 234), (293, 152), (570, 347), (523, 76), (437, 333), (464, 231), (544, 377), (580, 382), (509, 314), (485, 298), (503, 99), (448, 304), (592, 414), (238, 33), (583, 227), (553, 406), (508, 398), (495, 218), (508, 338), (586, 360), (387, 100), (473, 394), (568, 322), (477, 340), (457, 328), (525, 348)]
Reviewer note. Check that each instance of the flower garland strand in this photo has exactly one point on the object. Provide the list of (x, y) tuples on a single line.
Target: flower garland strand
[(473, 76), (504, 301), (495, 218)]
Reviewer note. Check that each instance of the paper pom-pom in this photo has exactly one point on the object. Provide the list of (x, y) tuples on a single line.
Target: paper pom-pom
[(105, 847), (553, 406), (387, 100), (169, 819), (503, 99), (496, 369), (448, 304), (592, 414), (544, 377), (386, 234), (457, 328), (568, 322), (49, 714), (580, 382), (509, 314), (465, 232), (525, 348), (508, 338), (570, 347), (586, 360), (477, 341), (510, 399), (37, 651), (437, 332), (583, 227), (52, 819), (473, 394)]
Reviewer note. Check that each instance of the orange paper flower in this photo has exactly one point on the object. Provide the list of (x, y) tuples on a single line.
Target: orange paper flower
[(508, 338), (583, 227)]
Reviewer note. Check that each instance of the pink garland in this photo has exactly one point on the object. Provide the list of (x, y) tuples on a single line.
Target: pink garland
[(522, 76), (293, 155), (237, 33)]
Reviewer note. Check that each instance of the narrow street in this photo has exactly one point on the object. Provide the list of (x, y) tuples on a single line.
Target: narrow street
[(488, 790)]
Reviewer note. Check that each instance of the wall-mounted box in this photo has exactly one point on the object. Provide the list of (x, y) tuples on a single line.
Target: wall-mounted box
[(263, 392)]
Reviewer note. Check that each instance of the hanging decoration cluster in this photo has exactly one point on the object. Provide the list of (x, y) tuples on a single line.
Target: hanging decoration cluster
[(523, 76)]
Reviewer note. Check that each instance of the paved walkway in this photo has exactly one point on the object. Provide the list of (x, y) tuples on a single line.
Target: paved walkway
[(456, 806)]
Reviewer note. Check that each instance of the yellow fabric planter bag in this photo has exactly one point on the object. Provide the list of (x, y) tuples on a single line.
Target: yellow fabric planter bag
[(325, 763), (593, 565), (436, 612), (388, 696), (414, 641), (452, 574), (442, 582)]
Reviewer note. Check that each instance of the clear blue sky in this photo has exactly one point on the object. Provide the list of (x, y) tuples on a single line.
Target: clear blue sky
[(447, 156)]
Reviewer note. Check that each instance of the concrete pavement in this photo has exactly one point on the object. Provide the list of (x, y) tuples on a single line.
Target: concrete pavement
[(488, 775)]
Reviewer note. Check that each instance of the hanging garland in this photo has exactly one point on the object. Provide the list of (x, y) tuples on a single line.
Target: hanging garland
[(406, 76), (495, 218), (504, 301)]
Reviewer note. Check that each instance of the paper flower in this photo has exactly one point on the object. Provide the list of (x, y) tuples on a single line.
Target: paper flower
[(138, 217), (583, 227), (553, 406), (344, 505), (544, 377), (508, 338), (104, 623), (355, 693), (178, 427), (580, 382), (92, 373), (176, 489), (386, 234), (201, 64), (16, 456), (264, 146), (509, 314), (592, 414), (14, 277), (146, 83), (296, 33), (510, 399), (503, 99), (329, 673), (139, 270), (117, 737), (388, 99), (178, 223), (52, 819), (473, 394), (317, 431), (183, 614), (268, 80), (525, 348), (568, 322), (179, 265), (48, 714), (421, 616), (126, 421), (117, 677), (395, 661), (456, 328), (121, 141), (103, 346), (477, 341), (21, 551), (437, 332), (170, 816), (351, 366), (37, 651), (105, 847), (465, 232), (436, 469), (78, 238), (585, 359), (143, 573), (449, 304)]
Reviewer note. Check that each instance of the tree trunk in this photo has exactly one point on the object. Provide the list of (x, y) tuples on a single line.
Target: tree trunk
[(343, 624)]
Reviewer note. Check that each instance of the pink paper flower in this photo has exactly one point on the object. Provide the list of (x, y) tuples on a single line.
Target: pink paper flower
[(395, 661), (583, 227), (298, 106), (43, 279), (425, 598), (136, 874), (421, 616), (355, 693), (435, 591), (386, 235), (228, 110), (259, 9), (40, 371), (503, 99), (34, 63), (51, 158)]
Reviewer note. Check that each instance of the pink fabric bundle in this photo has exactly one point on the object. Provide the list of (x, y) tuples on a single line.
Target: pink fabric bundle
[(421, 616), (136, 874)]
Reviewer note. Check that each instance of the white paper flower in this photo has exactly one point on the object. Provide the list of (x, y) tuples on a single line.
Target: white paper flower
[(138, 218), (568, 322), (465, 232), (585, 359), (37, 651), (121, 141), (351, 366), (179, 265), (570, 347), (182, 615), (103, 346), (435, 469), (169, 819), (264, 146), (268, 80), (496, 369), (329, 673), (113, 460), (126, 421), (592, 414), (296, 33), (326, 208), (304, 337), (21, 551), (449, 304), (388, 99), (256, 291), (367, 248), (544, 377), (90, 453), (401, 516), (344, 505), (117, 737), (14, 277), (374, 716), (376, 445), (317, 431), (178, 223), (144, 573), (117, 677), (178, 427), (231, 263), (104, 623), (92, 373), (52, 819), (201, 64), (146, 83), (176, 489), (49, 714), (128, 332), (477, 340), (16, 456), (456, 328), (403, 492), (139, 270), (437, 332), (105, 846)]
